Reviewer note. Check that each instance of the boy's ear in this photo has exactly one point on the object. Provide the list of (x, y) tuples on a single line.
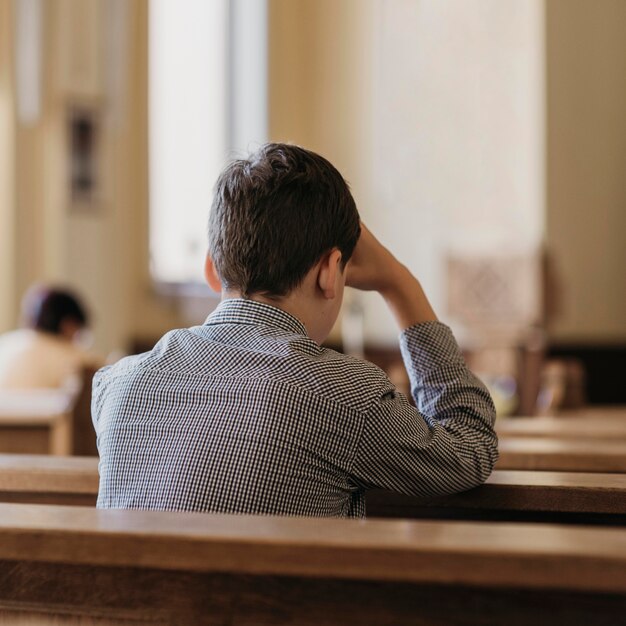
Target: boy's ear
[(329, 273), (211, 275)]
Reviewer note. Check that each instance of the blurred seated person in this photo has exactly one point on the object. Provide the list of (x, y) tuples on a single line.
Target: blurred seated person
[(47, 352)]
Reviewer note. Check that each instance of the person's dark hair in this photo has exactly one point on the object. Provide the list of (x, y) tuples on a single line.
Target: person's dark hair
[(274, 215), (45, 309)]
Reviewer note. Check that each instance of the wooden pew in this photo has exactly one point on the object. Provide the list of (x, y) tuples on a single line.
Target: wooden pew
[(83, 433), (561, 497), (594, 411), (585, 427), (36, 422), (49, 421), (507, 495), (562, 455), (79, 565), (44, 479)]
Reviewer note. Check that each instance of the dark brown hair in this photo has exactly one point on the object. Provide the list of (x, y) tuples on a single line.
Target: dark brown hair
[(45, 309), (274, 215)]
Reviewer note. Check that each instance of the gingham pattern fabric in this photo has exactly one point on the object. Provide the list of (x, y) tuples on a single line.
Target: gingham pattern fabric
[(247, 414)]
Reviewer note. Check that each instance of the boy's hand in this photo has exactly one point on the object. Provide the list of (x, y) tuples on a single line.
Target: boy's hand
[(373, 268)]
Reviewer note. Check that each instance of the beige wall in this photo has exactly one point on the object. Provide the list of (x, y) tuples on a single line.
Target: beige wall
[(586, 165), (320, 81), (8, 307), (440, 114), (102, 250), (433, 111), (377, 87)]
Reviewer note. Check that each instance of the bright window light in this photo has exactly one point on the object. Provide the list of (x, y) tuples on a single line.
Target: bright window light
[(188, 94)]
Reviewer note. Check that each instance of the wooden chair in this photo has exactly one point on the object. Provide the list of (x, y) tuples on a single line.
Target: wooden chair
[(44, 479), (555, 497)]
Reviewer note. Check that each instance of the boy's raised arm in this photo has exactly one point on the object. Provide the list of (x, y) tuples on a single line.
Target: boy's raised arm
[(448, 444), (373, 268)]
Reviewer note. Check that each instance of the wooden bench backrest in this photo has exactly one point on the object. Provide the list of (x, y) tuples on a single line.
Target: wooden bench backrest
[(48, 421), (213, 569), (45, 479), (610, 427), (36, 421), (562, 455), (507, 495)]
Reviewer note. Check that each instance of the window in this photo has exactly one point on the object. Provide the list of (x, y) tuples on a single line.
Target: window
[(187, 96), (207, 102)]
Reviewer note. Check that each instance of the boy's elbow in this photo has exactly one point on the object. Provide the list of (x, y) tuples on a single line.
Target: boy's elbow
[(470, 468), (484, 461)]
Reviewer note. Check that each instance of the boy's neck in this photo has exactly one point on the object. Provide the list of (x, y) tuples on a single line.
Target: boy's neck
[(309, 310)]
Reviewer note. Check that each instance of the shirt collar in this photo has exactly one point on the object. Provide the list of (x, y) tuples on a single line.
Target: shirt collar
[(244, 311)]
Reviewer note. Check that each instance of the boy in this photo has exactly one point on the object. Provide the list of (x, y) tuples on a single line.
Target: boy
[(248, 413), (46, 353)]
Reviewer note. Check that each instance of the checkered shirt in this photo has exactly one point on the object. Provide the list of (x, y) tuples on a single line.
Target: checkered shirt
[(247, 414)]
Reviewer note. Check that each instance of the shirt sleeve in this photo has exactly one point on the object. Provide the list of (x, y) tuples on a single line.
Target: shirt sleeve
[(446, 444)]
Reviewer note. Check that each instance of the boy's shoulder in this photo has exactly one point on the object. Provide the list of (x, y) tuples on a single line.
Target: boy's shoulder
[(349, 379), (317, 371), (137, 362)]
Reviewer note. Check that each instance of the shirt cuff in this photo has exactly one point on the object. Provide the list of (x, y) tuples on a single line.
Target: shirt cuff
[(428, 346)]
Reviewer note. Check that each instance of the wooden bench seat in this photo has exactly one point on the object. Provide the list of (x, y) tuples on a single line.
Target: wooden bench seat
[(77, 563), (508, 495)]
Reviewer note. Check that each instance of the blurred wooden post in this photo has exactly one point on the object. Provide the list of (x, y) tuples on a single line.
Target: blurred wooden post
[(83, 433)]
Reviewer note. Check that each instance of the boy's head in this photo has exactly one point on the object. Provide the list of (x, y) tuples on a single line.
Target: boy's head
[(274, 216), (54, 311)]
